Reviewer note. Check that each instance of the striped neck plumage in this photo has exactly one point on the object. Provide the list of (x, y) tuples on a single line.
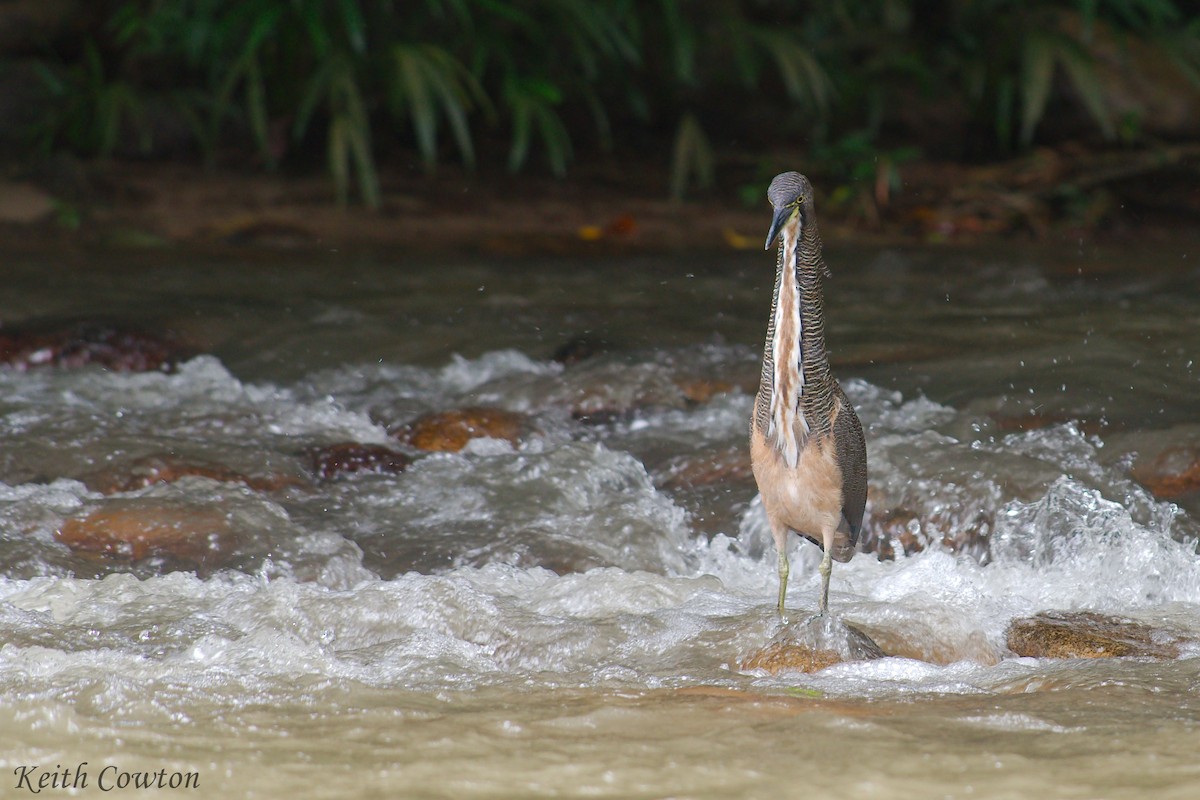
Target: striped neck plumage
[(801, 386)]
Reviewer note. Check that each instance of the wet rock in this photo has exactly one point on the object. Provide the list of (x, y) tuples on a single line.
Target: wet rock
[(449, 431), (908, 635), (581, 348), (889, 531), (1036, 420), (135, 531), (1172, 473), (602, 388), (892, 529), (344, 458), (77, 343), (774, 658), (811, 645), (1084, 634), (166, 468), (706, 469), (589, 415), (702, 390), (601, 398)]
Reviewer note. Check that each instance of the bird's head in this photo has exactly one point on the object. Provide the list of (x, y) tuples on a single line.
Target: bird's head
[(792, 196)]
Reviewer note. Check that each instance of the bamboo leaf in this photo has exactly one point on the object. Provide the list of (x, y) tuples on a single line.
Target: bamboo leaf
[(354, 24), (1081, 70), (1037, 75), (692, 158), (339, 159), (531, 103), (682, 39), (428, 80), (256, 111)]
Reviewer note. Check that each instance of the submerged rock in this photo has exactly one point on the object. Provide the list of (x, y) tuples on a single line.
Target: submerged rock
[(581, 348), (812, 645), (892, 531), (1172, 473), (167, 468), (706, 469), (193, 536), (700, 390), (1084, 634), (78, 343), (329, 461), (449, 431), (1037, 419)]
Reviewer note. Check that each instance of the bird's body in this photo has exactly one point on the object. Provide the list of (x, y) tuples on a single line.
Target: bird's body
[(806, 443)]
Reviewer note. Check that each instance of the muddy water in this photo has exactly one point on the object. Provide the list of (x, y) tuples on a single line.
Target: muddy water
[(565, 616)]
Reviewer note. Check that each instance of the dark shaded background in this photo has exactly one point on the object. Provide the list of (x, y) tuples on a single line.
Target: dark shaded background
[(929, 119)]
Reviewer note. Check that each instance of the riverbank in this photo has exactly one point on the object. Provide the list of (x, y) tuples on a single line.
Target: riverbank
[(1064, 194)]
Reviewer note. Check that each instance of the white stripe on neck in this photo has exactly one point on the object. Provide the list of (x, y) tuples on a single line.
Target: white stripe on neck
[(789, 371)]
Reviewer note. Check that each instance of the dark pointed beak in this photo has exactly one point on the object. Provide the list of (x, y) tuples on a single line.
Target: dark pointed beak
[(782, 215)]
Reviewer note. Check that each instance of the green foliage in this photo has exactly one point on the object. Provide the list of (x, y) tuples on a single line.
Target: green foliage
[(693, 158), (335, 88), (89, 110), (541, 78), (862, 175), (531, 103), (427, 79)]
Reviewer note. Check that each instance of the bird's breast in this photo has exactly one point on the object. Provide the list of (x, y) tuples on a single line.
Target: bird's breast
[(807, 497)]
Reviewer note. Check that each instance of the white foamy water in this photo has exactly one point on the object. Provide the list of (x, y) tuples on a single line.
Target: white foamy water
[(566, 615)]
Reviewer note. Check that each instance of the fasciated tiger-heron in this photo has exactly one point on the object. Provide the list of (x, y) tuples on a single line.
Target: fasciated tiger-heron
[(806, 443)]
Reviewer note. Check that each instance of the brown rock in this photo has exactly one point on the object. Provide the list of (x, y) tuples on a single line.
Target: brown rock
[(813, 644), (893, 527), (701, 390), (1036, 420), (166, 468), (76, 343), (199, 536), (1083, 634), (911, 638), (449, 431), (1172, 473), (329, 461), (898, 530), (775, 658), (707, 469)]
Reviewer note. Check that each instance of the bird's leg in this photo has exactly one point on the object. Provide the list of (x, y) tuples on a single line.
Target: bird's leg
[(826, 569), (783, 578)]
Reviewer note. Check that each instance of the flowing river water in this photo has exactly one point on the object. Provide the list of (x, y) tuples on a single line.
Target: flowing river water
[(566, 616)]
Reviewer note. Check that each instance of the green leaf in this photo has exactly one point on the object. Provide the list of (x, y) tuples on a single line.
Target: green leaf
[(355, 25), (803, 78), (692, 157), (1037, 76), (681, 37), (1081, 70), (531, 103), (426, 80)]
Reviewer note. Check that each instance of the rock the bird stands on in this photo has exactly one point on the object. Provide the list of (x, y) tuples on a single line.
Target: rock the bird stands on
[(806, 443)]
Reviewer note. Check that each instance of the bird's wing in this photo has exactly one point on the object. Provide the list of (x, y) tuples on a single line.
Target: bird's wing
[(852, 459)]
